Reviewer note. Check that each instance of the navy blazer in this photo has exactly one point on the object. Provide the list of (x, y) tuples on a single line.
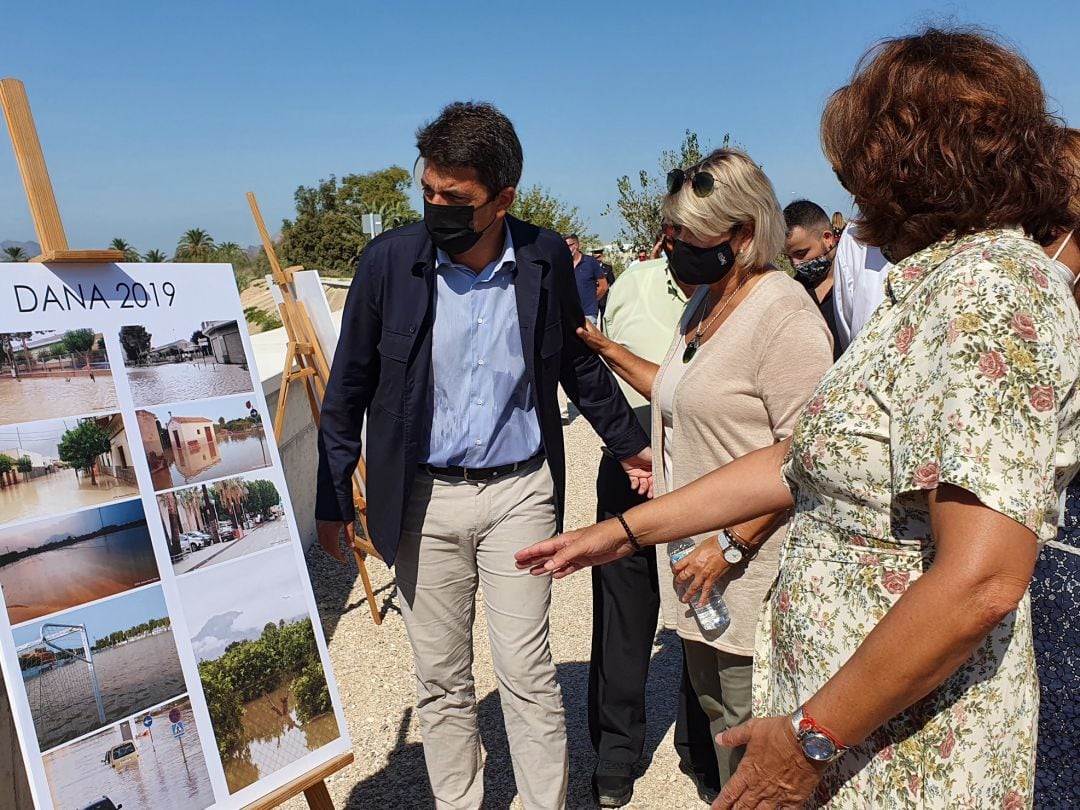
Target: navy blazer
[(382, 369)]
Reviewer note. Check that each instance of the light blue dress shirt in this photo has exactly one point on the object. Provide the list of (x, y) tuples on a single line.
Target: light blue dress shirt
[(484, 414)]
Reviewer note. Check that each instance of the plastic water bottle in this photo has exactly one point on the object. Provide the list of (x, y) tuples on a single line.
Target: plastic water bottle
[(713, 616)]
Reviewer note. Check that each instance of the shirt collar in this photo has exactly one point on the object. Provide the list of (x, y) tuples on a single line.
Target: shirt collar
[(507, 261), (906, 274)]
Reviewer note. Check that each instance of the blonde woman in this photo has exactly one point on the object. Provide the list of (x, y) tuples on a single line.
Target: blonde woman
[(746, 357)]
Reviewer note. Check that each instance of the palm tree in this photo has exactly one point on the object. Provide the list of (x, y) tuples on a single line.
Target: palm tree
[(130, 253), (229, 252), (155, 256), (196, 245), (14, 254)]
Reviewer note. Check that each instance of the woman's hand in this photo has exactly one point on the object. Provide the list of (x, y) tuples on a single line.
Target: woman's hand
[(563, 555), (774, 772), (699, 570), (595, 339)]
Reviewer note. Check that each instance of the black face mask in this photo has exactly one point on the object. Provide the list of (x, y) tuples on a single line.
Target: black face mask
[(694, 265), (450, 227)]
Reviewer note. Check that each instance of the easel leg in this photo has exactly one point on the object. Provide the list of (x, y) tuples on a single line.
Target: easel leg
[(318, 797), (375, 615)]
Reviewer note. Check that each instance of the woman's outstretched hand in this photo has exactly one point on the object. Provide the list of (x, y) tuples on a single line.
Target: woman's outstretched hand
[(563, 555), (594, 338)]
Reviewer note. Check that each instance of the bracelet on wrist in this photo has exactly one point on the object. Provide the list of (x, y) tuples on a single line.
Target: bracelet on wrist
[(629, 534), (737, 539)]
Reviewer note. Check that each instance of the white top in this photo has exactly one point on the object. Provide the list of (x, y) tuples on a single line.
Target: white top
[(665, 398), (858, 285)]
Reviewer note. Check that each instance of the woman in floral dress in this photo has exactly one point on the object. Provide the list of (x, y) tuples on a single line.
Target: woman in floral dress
[(894, 663)]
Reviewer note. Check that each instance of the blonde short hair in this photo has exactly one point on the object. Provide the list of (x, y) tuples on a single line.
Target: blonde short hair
[(742, 194)]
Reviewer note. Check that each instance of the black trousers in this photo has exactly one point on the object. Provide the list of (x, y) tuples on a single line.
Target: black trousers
[(626, 602)]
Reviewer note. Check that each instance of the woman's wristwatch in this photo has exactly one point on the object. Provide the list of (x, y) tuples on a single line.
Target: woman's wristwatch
[(734, 549), (817, 744)]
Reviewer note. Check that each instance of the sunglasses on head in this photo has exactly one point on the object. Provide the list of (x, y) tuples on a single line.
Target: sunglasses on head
[(701, 181)]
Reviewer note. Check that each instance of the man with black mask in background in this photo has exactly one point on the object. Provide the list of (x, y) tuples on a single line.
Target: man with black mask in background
[(811, 247)]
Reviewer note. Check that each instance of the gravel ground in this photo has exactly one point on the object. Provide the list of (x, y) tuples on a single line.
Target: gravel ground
[(373, 666)]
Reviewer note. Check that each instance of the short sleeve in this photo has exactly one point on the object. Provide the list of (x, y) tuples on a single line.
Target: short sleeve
[(796, 356), (977, 386)]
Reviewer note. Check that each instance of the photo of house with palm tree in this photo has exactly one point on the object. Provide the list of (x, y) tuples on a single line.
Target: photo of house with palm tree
[(46, 374), (64, 464), (193, 442), (183, 361)]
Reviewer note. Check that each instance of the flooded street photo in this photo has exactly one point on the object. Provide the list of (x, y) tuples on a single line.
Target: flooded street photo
[(158, 771), (58, 394), (68, 488), (191, 380), (273, 738)]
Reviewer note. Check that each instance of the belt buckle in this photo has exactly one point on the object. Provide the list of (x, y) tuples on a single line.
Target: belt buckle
[(465, 474)]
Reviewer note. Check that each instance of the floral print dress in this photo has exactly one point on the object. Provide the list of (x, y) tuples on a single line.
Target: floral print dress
[(964, 375)]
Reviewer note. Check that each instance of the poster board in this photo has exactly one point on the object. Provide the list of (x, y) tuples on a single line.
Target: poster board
[(158, 635)]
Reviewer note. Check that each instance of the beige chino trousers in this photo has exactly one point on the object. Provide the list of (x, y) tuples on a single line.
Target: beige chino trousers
[(457, 535)]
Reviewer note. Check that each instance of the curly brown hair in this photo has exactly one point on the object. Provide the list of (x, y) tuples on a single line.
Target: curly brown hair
[(947, 132)]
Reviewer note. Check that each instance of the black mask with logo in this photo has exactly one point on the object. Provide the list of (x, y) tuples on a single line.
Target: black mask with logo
[(450, 227), (694, 265)]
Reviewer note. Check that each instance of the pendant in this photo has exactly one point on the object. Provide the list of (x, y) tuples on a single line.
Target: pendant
[(691, 350)]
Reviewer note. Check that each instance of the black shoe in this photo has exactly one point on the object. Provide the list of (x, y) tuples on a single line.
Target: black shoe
[(706, 792), (612, 784)]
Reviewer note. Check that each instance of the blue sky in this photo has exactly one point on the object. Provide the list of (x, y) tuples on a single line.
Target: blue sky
[(102, 618), (158, 117), (47, 531)]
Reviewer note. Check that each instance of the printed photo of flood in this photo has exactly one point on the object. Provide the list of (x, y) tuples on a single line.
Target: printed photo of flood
[(201, 441), (184, 361), (259, 664), (213, 523), (134, 765), (64, 464), (93, 666), (55, 564), (49, 374)]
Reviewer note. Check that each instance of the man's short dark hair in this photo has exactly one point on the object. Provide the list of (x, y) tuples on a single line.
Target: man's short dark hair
[(573, 236), (806, 214), (474, 135)]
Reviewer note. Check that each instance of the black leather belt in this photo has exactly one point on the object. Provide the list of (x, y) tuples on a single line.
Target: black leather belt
[(479, 473)]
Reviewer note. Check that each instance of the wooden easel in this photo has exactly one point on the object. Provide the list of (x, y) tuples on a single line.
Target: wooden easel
[(305, 363), (54, 249)]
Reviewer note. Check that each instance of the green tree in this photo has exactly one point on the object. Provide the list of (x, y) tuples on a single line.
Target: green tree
[(537, 205), (7, 464), (135, 341), (224, 704), (156, 256), (327, 233), (230, 252), (639, 202), (81, 446), (310, 692), (130, 253), (25, 465), (15, 254), (80, 341), (196, 245), (8, 341)]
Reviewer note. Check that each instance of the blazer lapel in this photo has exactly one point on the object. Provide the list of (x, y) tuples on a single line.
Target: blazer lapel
[(527, 281)]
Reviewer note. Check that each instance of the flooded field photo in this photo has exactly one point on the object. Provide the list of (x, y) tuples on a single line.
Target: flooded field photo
[(52, 565), (189, 443), (173, 363), (266, 716), (49, 374), (98, 664), (133, 765)]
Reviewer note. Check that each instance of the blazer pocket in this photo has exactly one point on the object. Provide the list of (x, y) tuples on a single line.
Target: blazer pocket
[(395, 345), (552, 340)]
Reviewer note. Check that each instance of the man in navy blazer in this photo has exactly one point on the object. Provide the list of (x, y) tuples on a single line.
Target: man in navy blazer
[(455, 334)]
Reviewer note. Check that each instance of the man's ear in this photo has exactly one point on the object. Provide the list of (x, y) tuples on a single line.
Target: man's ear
[(505, 198), (829, 238)]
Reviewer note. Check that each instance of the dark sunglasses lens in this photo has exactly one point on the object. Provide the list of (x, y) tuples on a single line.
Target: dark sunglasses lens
[(675, 180), (702, 184)]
